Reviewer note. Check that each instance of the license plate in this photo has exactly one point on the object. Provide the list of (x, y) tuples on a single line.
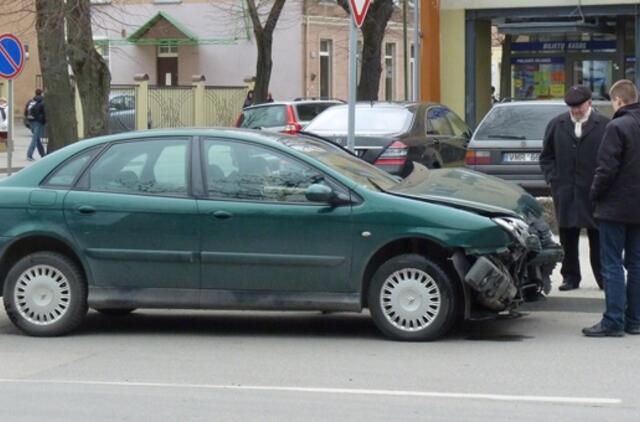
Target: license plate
[(520, 157)]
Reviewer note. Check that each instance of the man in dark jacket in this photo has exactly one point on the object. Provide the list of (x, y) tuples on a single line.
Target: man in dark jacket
[(568, 161), (616, 192), (35, 117)]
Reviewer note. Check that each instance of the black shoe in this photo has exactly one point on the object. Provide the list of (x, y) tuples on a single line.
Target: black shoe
[(567, 285), (632, 329), (599, 331)]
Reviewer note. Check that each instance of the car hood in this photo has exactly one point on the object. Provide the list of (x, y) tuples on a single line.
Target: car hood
[(469, 190)]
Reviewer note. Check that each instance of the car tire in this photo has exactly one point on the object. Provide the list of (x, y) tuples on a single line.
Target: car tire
[(412, 298), (115, 312), (45, 294)]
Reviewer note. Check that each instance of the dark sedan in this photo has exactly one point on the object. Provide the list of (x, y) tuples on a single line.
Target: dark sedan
[(393, 136)]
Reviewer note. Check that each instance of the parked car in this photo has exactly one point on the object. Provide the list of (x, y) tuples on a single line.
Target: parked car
[(122, 114), (237, 219), (283, 116), (508, 141), (393, 136)]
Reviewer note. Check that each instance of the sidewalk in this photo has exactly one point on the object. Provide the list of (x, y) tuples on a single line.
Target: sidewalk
[(22, 139)]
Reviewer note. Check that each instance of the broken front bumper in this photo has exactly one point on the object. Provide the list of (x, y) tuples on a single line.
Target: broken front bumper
[(500, 281)]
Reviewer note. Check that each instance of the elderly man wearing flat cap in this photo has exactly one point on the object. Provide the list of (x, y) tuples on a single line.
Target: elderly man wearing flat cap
[(568, 161)]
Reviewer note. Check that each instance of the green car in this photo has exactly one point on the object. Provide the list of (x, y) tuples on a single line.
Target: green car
[(238, 219)]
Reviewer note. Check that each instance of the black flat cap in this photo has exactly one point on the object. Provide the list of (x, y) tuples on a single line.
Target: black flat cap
[(577, 95)]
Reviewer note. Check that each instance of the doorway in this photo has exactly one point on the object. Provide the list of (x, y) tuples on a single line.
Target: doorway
[(167, 71)]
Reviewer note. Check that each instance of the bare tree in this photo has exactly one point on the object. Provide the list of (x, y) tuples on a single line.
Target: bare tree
[(264, 44), (373, 30), (92, 75), (59, 103)]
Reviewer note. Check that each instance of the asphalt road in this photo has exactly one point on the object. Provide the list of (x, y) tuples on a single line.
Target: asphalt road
[(238, 366)]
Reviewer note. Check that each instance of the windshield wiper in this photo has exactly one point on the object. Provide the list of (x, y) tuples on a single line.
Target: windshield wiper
[(377, 186), (498, 136)]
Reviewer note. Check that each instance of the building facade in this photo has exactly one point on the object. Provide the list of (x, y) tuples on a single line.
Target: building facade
[(543, 47)]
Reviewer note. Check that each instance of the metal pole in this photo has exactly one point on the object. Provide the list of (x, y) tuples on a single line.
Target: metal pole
[(416, 51), (353, 49), (10, 128), (404, 48)]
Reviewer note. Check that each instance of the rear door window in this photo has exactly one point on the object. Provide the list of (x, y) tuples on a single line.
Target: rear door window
[(307, 112), (264, 117), (437, 123), (521, 122)]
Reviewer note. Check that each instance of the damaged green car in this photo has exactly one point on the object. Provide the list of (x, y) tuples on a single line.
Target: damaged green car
[(235, 219)]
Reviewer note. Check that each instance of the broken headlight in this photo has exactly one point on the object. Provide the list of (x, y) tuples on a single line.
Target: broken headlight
[(518, 229)]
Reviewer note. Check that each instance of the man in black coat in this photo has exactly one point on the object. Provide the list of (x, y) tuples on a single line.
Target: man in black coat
[(568, 161), (616, 192)]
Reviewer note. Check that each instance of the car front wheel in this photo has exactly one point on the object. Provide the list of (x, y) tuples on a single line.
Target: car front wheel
[(45, 294), (412, 298)]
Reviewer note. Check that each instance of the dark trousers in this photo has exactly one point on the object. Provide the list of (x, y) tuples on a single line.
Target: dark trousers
[(623, 302), (569, 239)]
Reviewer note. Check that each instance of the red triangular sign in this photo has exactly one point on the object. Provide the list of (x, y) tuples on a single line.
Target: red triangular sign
[(359, 10)]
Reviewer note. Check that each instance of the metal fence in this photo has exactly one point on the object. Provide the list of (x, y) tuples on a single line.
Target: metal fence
[(222, 105), (171, 106)]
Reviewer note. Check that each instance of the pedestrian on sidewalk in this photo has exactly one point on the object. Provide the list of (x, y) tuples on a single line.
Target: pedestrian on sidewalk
[(35, 118), (616, 193), (4, 114), (568, 161), (248, 101)]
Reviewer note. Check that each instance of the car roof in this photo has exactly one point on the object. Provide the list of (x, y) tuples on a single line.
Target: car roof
[(294, 102), (539, 103)]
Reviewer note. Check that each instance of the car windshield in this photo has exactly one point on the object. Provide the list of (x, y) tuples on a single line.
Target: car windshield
[(268, 116), (518, 122), (368, 120), (361, 172)]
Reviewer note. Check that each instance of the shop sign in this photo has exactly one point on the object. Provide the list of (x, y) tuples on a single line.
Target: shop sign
[(537, 60), (564, 46)]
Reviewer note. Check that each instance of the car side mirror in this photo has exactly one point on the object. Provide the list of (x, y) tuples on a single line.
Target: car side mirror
[(325, 194), (319, 193)]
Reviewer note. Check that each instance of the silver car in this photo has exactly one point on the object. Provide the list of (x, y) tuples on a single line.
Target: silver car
[(508, 141)]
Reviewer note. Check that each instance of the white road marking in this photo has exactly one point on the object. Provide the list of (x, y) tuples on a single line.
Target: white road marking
[(352, 391)]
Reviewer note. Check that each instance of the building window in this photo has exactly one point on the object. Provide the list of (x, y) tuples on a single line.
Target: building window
[(169, 50), (389, 71), (411, 69), (326, 68)]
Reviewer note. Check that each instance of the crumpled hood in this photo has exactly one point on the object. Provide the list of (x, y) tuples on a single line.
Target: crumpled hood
[(469, 190)]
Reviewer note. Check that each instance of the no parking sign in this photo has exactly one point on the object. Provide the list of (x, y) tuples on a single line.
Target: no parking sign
[(11, 56), (11, 64)]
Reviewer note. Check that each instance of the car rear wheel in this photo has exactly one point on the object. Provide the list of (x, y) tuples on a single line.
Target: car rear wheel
[(45, 294), (412, 298)]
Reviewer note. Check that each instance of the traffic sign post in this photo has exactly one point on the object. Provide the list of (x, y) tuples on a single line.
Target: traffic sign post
[(11, 64), (359, 9)]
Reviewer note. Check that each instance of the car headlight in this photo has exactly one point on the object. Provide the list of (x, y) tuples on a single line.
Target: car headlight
[(516, 227)]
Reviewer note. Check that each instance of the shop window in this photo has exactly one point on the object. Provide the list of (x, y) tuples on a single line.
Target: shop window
[(538, 77)]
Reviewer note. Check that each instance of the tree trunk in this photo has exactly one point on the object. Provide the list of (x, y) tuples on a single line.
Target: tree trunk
[(264, 43), (373, 30), (505, 68), (264, 65), (92, 75), (59, 101)]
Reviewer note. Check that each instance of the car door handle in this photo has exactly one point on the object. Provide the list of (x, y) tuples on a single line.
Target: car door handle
[(221, 215), (436, 142), (86, 209)]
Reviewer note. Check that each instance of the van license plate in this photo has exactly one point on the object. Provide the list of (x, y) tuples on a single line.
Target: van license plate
[(520, 157)]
